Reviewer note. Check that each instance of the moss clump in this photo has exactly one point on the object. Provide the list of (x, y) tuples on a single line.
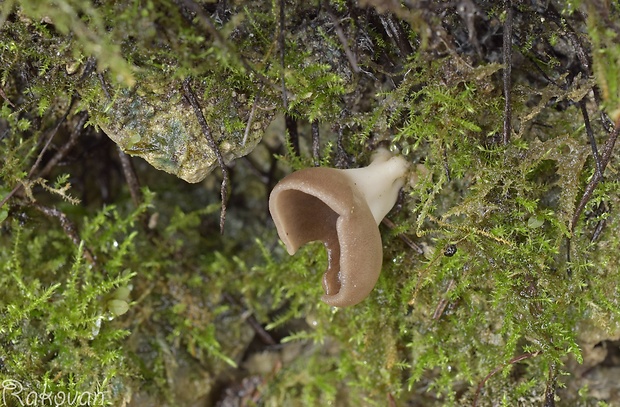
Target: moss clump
[(499, 274)]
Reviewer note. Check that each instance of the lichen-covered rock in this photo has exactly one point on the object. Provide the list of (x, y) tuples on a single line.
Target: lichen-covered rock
[(160, 126)]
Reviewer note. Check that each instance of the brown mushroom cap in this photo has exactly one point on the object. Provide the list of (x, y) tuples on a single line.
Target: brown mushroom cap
[(323, 204)]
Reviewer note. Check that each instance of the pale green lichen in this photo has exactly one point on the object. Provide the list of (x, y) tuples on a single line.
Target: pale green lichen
[(160, 126)]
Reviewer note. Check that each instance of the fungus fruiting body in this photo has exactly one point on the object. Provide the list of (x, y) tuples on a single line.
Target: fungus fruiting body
[(341, 208)]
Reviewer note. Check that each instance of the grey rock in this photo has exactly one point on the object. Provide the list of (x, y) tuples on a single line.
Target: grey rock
[(161, 127)]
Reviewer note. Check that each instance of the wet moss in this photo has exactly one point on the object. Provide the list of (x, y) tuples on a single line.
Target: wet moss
[(134, 293)]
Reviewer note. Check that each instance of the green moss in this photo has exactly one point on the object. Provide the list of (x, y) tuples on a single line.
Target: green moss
[(141, 300)]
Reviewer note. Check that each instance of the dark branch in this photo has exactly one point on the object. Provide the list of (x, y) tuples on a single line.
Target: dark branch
[(601, 210), (316, 146), (590, 132), (551, 386), (343, 40), (191, 98), (342, 158), (64, 150), (6, 98), (446, 167), (35, 167), (130, 176), (387, 222), (68, 227), (596, 178), (507, 53), (291, 128), (282, 46)]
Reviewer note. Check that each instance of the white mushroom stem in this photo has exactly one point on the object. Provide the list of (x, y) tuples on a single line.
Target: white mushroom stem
[(380, 181)]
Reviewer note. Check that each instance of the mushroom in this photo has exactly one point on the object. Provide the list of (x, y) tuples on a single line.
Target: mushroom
[(341, 208)]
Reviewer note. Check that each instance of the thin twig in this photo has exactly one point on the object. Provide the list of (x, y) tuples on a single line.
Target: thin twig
[(291, 128), (582, 55), (342, 158), (396, 34), (130, 176), (391, 401), (499, 368), (282, 45), (253, 322), (387, 222), (565, 26), (568, 258), (596, 178), (191, 98), (600, 211), (35, 167), (507, 53), (5, 97), (316, 147), (444, 301), (68, 227), (64, 150), (590, 132), (104, 86), (598, 230), (343, 40), (551, 386), (36, 164), (446, 167), (248, 126)]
